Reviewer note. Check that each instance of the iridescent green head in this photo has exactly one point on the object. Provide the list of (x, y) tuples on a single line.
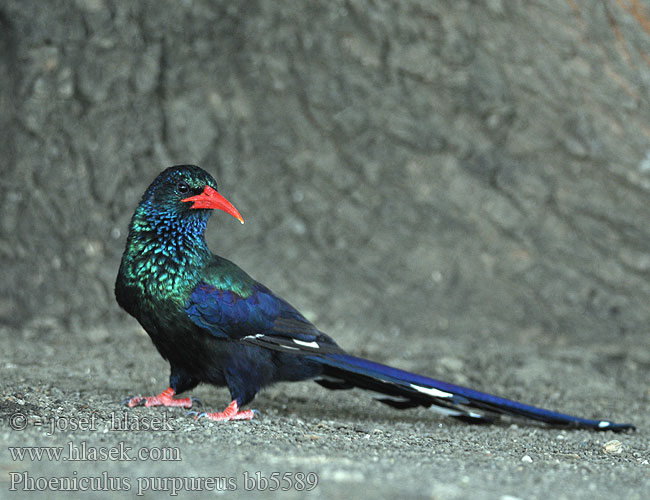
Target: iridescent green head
[(185, 191)]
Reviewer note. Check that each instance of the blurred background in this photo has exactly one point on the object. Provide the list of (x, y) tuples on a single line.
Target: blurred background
[(409, 171)]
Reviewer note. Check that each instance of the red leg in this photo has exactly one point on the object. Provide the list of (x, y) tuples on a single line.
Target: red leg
[(165, 398), (230, 413)]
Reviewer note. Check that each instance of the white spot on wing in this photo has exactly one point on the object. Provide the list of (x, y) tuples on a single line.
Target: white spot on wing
[(314, 345), (256, 336), (603, 424), (432, 391)]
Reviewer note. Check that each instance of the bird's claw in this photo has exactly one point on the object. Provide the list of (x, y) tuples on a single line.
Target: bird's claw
[(133, 401), (197, 401), (165, 398), (231, 413)]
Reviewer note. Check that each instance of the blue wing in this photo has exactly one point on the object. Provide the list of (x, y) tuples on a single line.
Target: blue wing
[(259, 317), (236, 307)]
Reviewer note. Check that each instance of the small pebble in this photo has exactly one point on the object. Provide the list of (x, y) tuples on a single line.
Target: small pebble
[(613, 447)]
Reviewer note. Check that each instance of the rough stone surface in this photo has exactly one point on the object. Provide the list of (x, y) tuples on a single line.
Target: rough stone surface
[(460, 188)]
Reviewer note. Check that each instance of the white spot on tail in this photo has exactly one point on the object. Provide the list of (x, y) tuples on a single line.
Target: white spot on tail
[(432, 391), (602, 424), (396, 399), (313, 345), (446, 411), (455, 413)]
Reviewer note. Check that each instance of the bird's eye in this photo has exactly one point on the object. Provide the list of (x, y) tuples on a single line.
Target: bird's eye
[(182, 187)]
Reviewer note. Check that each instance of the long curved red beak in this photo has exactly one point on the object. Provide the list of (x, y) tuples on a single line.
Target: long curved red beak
[(211, 199)]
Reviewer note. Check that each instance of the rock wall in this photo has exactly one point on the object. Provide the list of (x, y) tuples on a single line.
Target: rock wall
[(406, 168)]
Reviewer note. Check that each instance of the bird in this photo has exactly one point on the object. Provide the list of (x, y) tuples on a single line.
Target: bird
[(215, 324)]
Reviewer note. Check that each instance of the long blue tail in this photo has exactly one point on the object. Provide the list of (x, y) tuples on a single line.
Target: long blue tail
[(402, 389)]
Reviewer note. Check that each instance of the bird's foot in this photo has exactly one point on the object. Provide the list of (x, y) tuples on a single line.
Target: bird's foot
[(165, 398), (230, 413)]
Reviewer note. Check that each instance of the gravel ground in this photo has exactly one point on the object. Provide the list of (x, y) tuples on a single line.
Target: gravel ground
[(344, 443)]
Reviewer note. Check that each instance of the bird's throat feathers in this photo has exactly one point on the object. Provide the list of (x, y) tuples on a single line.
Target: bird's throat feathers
[(165, 252), (168, 228)]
